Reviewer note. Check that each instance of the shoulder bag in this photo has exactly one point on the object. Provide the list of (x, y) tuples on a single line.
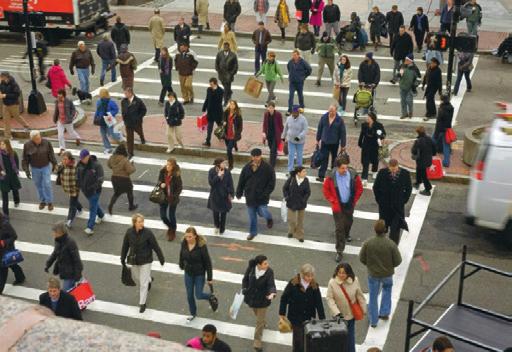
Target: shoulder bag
[(356, 309), (158, 195)]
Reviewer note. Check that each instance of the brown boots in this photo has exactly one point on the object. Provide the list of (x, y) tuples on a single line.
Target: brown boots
[(171, 235)]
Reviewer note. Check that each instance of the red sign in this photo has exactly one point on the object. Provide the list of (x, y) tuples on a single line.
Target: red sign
[(65, 6)]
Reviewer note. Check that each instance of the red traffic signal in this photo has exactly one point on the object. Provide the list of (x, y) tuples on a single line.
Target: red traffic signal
[(441, 41)]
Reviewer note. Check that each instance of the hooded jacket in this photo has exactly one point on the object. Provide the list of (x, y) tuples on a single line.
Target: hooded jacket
[(66, 257), (255, 291), (90, 176), (120, 34), (196, 262), (58, 79), (126, 61)]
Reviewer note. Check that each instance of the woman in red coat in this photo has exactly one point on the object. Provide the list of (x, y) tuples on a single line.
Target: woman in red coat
[(57, 77)]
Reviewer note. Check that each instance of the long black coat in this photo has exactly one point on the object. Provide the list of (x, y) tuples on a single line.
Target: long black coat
[(67, 306), (66, 257), (220, 191), (402, 46), (232, 11), (256, 290), (226, 66), (8, 236), (369, 138), (196, 262), (296, 196), (425, 149), (10, 181), (213, 104), (394, 21), (392, 195), (133, 112), (302, 304), (256, 185), (434, 81), (444, 118), (141, 244)]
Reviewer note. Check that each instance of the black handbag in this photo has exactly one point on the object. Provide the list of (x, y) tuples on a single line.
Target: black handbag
[(317, 158), (126, 276), (214, 301), (48, 83), (158, 195), (219, 132)]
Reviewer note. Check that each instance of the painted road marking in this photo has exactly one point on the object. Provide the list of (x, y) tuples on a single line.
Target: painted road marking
[(457, 100)]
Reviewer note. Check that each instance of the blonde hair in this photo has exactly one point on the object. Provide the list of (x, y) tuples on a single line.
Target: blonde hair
[(307, 269), (53, 282), (104, 94), (135, 217)]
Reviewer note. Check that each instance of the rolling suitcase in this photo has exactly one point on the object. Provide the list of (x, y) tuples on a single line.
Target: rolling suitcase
[(325, 336)]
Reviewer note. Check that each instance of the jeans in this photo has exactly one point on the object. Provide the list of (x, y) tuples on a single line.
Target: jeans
[(261, 210), (230, 144), (447, 148), (459, 79), (472, 28), (94, 210), (195, 286), (334, 26), (326, 150), (406, 102), (374, 286), (68, 284), (19, 276), (109, 131), (343, 97), (421, 177), (168, 215), (74, 206), (396, 68), (295, 151), (42, 180), (83, 78), (104, 65), (299, 88), (261, 17), (260, 54), (5, 200), (351, 327)]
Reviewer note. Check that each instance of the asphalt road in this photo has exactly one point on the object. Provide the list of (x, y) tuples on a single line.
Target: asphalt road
[(440, 234)]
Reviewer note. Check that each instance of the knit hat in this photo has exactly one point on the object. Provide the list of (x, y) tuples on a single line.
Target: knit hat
[(84, 153), (410, 57), (296, 108), (256, 152), (369, 55)]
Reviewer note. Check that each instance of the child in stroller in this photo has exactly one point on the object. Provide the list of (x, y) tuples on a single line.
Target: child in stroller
[(363, 100)]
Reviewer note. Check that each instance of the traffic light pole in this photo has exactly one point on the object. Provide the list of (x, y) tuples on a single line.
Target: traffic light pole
[(451, 54)]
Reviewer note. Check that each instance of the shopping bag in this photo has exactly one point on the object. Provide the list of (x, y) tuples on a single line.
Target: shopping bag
[(435, 171), (298, 15), (213, 300), (280, 147), (12, 257), (284, 211), (126, 276), (336, 91), (109, 120), (450, 136), (83, 293), (235, 306), (253, 87), (316, 159), (202, 122), (284, 325)]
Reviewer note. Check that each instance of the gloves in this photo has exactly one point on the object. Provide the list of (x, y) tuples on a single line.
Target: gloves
[(296, 139), (46, 269), (29, 176)]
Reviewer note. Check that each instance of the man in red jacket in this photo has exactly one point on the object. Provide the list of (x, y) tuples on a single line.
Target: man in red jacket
[(342, 188)]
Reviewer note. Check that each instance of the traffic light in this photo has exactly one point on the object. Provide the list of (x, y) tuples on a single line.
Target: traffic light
[(441, 41)]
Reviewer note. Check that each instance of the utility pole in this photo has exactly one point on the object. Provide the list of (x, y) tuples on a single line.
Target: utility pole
[(195, 19), (36, 104), (451, 52)]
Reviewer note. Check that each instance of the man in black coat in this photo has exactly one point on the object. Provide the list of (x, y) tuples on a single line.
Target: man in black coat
[(232, 10), (392, 189), (394, 20), (434, 81), (443, 122), (419, 25), (257, 181), (59, 301), (369, 71), (213, 107), (422, 151), (90, 178), (120, 34), (304, 6), (182, 32), (226, 65), (133, 111), (7, 237), (400, 47)]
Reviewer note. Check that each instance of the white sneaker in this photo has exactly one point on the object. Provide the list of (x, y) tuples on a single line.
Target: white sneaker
[(190, 318), (365, 183), (68, 224), (216, 231), (169, 150), (79, 212), (99, 220), (88, 231), (374, 175), (107, 151)]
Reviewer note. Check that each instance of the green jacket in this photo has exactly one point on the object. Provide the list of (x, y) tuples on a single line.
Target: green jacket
[(326, 50), (409, 77), (270, 70), (381, 256)]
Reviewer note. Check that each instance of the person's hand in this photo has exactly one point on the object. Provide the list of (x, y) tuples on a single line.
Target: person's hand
[(29, 176), (296, 139), (282, 317), (162, 185), (2, 95), (2, 244), (46, 269), (271, 296)]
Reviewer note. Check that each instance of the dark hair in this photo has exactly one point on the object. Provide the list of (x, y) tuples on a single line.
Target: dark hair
[(419, 9), (380, 227), (61, 92), (213, 80), (260, 258), (394, 7), (128, 89), (261, 23), (172, 94), (56, 62), (348, 270), (435, 60), (210, 328), (420, 130), (372, 115), (297, 170), (68, 155), (218, 161), (343, 159), (121, 150), (441, 343), (271, 103), (347, 64)]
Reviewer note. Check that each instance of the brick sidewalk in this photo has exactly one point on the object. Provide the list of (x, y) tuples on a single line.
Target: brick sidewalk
[(139, 18)]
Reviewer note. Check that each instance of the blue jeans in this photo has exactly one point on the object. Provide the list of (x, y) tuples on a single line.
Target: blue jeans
[(295, 150), (42, 180), (299, 88), (194, 286), (260, 55), (74, 206), (261, 210), (406, 102), (374, 286), (94, 209), (109, 131), (104, 65), (83, 78), (447, 148), (459, 79), (68, 284), (168, 215), (351, 326)]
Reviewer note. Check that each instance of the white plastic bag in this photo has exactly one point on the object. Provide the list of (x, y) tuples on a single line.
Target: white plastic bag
[(235, 306), (284, 211)]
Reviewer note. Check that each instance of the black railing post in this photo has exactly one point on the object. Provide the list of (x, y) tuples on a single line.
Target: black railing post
[(409, 325), (462, 274)]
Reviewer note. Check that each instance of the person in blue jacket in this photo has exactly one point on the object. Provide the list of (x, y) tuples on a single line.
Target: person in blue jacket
[(106, 110), (298, 70)]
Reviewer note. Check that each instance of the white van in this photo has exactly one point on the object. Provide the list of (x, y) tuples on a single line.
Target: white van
[(489, 201)]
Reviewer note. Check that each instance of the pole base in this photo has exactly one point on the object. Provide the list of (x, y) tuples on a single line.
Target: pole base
[(36, 104), (195, 21)]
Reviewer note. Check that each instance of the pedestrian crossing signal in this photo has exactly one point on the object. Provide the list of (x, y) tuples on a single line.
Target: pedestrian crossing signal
[(441, 41)]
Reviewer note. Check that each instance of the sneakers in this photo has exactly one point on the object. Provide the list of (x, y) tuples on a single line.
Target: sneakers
[(99, 220), (68, 224), (88, 231), (216, 231), (190, 318), (425, 193)]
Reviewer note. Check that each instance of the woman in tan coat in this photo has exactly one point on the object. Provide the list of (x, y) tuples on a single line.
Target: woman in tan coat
[(157, 28), (228, 36), (345, 283), (202, 12)]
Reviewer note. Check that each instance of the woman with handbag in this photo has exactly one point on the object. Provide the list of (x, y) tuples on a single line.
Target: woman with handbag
[(370, 140), (346, 300), (195, 261), (174, 113), (342, 80), (301, 301), (222, 193), (9, 180), (443, 126), (169, 180), (296, 192), (121, 168), (7, 238), (66, 174), (138, 245), (232, 126), (259, 289), (106, 110)]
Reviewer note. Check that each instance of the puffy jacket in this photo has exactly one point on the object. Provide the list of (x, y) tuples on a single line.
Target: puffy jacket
[(298, 71), (120, 34), (12, 92), (106, 50), (133, 112), (196, 262), (296, 195), (295, 128), (58, 79), (185, 63), (232, 10), (138, 247), (174, 114), (120, 165), (69, 111), (402, 46), (256, 185), (424, 149), (331, 192), (331, 13), (344, 81), (326, 49), (255, 291), (305, 41), (302, 304), (66, 257), (90, 176), (369, 73)]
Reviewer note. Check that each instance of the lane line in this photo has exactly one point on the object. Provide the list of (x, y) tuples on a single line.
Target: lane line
[(203, 230), (457, 100)]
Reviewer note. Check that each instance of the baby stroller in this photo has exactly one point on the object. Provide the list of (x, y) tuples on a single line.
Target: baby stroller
[(345, 36), (363, 100)]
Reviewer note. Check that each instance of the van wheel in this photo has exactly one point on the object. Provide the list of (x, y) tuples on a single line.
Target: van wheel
[(508, 234)]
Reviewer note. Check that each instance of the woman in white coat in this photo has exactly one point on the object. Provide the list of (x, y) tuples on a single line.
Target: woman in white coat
[(342, 77), (345, 284)]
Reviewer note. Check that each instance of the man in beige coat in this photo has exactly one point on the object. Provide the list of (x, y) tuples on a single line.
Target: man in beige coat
[(202, 12), (157, 28)]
